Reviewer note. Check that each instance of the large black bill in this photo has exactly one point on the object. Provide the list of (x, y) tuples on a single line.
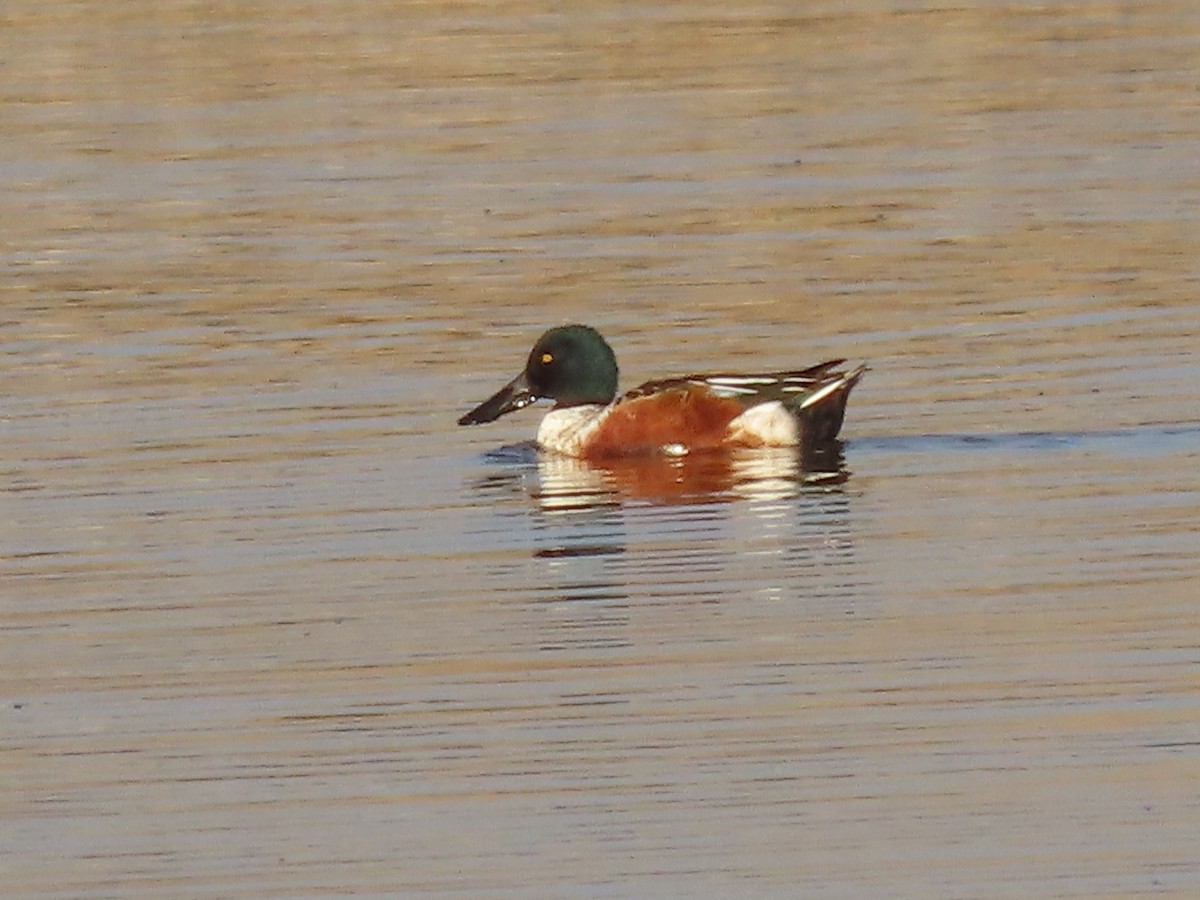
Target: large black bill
[(513, 396)]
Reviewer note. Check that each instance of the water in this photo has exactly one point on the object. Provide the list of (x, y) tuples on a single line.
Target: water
[(271, 625)]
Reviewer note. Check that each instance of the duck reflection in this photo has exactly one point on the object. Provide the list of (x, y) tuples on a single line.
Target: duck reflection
[(640, 533), (565, 483), (773, 473)]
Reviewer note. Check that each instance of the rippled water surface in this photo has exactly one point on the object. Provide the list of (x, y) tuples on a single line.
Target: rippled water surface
[(272, 625)]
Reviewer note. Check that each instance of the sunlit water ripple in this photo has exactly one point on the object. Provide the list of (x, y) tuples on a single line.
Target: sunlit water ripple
[(272, 625)]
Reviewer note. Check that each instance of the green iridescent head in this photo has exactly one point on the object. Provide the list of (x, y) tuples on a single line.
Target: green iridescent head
[(571, 364)]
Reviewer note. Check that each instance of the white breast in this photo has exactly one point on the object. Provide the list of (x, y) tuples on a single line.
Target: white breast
[(567, 430)]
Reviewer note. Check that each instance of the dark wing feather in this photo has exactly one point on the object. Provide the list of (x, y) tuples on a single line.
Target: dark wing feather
[(790, 388), (816, 396)]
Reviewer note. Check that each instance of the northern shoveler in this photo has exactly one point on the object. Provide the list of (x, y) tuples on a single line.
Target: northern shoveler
[(574, 366)]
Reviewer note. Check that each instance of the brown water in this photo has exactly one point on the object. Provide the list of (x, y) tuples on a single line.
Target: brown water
[(271, 625)]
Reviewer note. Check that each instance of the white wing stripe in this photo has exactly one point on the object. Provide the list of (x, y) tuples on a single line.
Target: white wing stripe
[(739, 380), (821, 393)]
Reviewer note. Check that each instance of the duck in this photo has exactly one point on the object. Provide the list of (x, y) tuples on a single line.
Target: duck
[(574, 366)]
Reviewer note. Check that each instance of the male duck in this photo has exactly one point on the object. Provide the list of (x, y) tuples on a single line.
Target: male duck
[(574, 366)]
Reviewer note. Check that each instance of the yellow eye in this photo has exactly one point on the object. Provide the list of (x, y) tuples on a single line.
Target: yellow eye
[(547, 358)]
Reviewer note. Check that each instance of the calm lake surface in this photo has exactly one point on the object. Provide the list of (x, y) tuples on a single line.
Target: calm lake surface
[(271, 625)]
